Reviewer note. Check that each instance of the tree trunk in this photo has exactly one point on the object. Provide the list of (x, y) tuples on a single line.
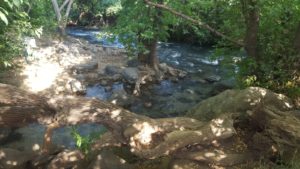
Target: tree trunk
[(150, 57), (56, 10), (62, 21), (153, 59), (251, 15)]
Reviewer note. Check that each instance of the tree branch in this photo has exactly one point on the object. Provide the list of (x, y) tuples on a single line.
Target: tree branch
[(63, 5), (69, 8), (56, 9), (194, 21)]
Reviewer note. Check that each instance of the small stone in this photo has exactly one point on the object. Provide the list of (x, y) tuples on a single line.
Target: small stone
[(148, 104), (213, 78)]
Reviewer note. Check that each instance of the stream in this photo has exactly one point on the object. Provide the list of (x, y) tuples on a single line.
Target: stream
[(169, 98)]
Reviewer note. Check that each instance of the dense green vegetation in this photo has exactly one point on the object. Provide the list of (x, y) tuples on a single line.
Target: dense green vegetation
[(19, 18), (263, 36)]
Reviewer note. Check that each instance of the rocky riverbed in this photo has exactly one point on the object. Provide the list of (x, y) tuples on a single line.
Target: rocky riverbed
[(81, 66), (77, 67)]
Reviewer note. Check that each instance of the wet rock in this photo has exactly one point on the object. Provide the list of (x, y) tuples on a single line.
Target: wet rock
[(130, 74), (112, 70), (213, 78), (121, 98), (98, 91)]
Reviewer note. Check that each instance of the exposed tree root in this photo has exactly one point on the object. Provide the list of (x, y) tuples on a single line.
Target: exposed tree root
[(147, 74), (149, 138)]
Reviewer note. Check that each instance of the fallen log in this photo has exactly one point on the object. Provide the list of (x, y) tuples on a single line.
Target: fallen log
[(182, 137), (19, 108), (147, 138)]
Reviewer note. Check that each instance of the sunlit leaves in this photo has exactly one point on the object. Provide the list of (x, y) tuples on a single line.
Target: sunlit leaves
[(3, 17)]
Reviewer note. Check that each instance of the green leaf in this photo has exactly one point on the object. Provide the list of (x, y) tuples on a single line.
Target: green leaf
[(3, 18), (17, 3), (9, 3)]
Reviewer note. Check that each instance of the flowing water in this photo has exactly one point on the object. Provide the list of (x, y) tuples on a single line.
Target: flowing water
[(169, 98)]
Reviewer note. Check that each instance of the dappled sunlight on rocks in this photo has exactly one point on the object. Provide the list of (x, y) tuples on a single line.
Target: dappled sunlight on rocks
[(219, 127), (115, 114), (144, 135), (50, 67)]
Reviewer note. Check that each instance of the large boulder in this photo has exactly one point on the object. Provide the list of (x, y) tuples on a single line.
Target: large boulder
[(269, 121), (236, 101)]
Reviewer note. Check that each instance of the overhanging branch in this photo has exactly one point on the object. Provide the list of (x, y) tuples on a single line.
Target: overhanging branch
[(194, 21)]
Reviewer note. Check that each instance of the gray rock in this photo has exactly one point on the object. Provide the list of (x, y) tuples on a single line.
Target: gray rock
[(238, 101), (88, 67), (213, 78), (130, 74), (112, 70)]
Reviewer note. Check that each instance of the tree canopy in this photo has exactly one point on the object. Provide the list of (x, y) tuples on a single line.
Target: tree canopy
[(268, 31)]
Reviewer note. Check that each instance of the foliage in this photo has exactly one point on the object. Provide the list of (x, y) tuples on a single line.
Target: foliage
[(277, 65), (83, 143), (88, 12), (138, 23), (21, 18), (10, 34)]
